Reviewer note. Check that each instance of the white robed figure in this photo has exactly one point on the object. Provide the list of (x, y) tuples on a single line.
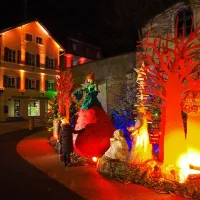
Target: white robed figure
[(141, 148), (118, 147)]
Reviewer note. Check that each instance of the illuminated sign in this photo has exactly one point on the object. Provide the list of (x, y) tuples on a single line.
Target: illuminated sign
[(191, 103)]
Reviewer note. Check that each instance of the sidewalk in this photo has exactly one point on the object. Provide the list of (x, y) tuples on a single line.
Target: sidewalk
[(15, 126), (84, 180)]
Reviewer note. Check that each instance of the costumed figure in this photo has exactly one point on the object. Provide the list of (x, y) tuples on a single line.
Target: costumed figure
[(94, 141), (141, 148), (66, 142), (118, 147)]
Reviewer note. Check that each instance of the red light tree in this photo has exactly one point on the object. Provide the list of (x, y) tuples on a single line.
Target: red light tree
[(64, 85), (169, 69)]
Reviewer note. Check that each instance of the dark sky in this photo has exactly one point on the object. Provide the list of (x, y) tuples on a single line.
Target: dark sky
[(110, 24)]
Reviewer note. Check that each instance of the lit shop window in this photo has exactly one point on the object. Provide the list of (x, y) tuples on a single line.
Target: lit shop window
[(33, 108)]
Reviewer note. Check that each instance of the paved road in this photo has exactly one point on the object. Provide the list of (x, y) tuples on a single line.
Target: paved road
[(21, 180)]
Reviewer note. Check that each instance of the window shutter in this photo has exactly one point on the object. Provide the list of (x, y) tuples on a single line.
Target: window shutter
[(18, 82), (46, 85), (6, 49), (56, 64), (18, 56), (38, 85), (54, 86), (5, 81), (46, 62), (26, 84), (37, 60), (26, 58)]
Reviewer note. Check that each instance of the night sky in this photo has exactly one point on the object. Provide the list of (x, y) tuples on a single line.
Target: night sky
[(110, 24)]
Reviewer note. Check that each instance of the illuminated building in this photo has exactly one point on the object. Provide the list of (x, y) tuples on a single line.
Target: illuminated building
[(78, 53), (29, 65)]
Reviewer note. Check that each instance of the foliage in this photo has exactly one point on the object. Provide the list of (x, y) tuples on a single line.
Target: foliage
[(73, 110), (123, 114), (64, 85), (150, 175), (52, 114)]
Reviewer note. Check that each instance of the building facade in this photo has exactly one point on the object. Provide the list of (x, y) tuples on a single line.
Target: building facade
[(186, 14), (78, 53), (29, 64)]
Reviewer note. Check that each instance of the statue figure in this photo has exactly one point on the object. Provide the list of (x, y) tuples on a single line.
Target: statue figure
[(94, 141), (118, 147), (141, 148)]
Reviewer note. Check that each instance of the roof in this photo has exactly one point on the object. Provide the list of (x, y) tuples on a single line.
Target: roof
[(31, 21), (79, 41)]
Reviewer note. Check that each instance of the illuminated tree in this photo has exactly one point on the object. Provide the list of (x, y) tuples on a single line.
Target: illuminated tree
[(169, 69), (64, 85)]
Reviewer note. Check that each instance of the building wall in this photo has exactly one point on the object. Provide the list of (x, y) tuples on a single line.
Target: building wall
[(15, 39), (109, 73), (82, 49), (165, 22)]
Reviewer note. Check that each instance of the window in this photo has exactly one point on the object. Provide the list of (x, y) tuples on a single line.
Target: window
[(11, 82), (17, 108), (98, 55), (74, 62), (31, 84), (31, 59), (33, 108), (74, 47), (38, 40), (87, 50), (50, 85), (11, 55), (29, 37), (50, 63), (13, 108), (184, 22)]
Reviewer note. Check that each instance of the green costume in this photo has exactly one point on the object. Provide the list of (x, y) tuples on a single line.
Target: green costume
[(90, 98)]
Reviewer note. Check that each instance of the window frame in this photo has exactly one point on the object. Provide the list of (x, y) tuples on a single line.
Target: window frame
[(12, 85), (51, 63), (30, 84), (38, 37), (31, 59), (74, 46), (52, 85), (12, 55), (26, 37), (187, 16)]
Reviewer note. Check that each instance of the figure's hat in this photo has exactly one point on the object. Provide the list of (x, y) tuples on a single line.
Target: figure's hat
[(91, 76)]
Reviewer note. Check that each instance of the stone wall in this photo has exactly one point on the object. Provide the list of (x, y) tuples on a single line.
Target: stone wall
[(109, 73), (165, 22)]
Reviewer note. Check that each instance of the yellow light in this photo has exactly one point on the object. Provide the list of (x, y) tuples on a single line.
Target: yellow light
[(42, 28), (94, 159), (22, 80), (42, 85)]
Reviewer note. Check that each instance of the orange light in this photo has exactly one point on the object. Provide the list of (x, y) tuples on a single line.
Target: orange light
[(94, 159), (42, 85), (22, 80), (42, 28), (69, 60), (82, 60)]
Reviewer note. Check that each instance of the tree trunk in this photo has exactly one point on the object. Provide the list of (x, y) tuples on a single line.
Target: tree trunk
[(61, 106), (174, 139), (193, 138), (162, 135), (67, 106)]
